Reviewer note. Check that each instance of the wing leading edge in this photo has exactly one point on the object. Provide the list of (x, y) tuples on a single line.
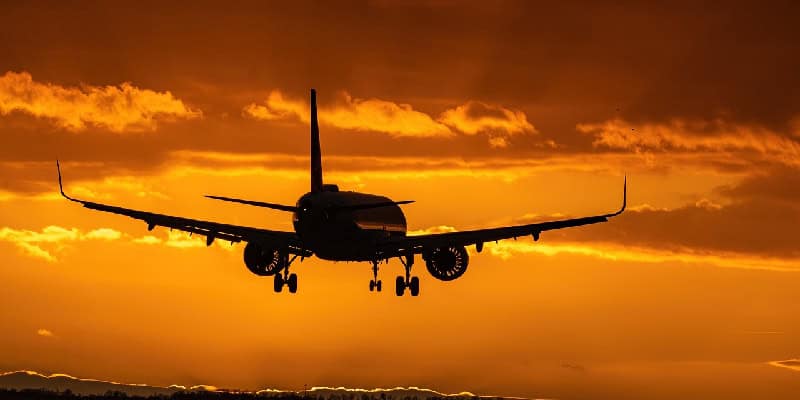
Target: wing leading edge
[(418, 244), (211, 230)]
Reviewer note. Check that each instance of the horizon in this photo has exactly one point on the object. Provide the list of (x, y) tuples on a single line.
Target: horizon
[(211, 388)]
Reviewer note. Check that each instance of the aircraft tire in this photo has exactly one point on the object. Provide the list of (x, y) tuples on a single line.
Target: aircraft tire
[(413, 286), (400, 287), (277, 283), (378, 286), (292, 283)]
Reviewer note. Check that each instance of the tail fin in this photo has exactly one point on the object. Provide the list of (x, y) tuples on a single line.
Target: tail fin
[(316, 154)]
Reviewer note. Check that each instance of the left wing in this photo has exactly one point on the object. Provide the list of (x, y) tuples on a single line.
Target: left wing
[(211, 230), (417, 244)]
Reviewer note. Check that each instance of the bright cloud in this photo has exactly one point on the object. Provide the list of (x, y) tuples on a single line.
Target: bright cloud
[(182, 240), (53, 239), (355, 114), (400, 120), (117, 108), (793, 364), (507, 248), (477, 117), (44, 333), (716, 136), (32, 242)]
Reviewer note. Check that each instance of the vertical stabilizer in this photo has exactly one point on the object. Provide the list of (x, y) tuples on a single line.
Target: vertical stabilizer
[(316, 154)]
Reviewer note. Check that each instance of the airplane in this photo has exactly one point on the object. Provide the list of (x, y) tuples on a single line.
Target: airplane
[(340, 225)]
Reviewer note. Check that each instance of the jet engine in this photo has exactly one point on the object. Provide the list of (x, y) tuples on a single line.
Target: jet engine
[(262, 261), (447, 263)]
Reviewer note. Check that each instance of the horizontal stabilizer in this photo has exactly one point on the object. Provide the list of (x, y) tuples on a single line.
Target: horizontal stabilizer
[(273, 206)]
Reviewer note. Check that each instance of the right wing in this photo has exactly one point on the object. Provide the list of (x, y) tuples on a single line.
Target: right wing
[(211, 230), (398, 246)]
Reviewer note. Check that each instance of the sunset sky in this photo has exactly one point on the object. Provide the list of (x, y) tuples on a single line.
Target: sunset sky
[(486, 115)]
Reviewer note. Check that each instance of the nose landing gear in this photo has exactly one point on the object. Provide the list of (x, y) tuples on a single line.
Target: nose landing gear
[(407, 281), (375, 283)]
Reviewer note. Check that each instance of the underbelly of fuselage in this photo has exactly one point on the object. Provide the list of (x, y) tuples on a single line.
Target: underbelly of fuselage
[(349, 245)]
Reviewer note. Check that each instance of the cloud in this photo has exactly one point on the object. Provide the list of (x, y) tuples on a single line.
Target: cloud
[(399, 120), (627, 253), (44, 333), (181, 240), (149, 239), (477, 117), (745, 220), (116, 108), (781, 185), (103, 234), (276, 107), (432, 230), (53, 239), (31, 242), (25, 379), (705, 136), (793, 364)]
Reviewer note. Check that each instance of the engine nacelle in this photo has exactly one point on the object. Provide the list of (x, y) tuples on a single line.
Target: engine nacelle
[(446, 263), (262, 261)]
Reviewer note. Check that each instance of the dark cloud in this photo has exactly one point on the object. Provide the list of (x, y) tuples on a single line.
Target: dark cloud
[(562, 64), (760, 216), (780, 185)]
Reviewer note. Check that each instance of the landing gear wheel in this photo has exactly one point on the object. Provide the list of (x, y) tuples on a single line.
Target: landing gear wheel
[(278, 283), (292, 283), (413, 286), (375, 283), (400, 285)]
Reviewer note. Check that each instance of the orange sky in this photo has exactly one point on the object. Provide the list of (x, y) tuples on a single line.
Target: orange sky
[(485, 115)]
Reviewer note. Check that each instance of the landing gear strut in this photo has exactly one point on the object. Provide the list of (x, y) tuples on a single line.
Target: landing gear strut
[(375, 283), (407, 281), (283, 277)]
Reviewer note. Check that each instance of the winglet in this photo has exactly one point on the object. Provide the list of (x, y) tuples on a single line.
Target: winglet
[(624, 198), (60, 185)]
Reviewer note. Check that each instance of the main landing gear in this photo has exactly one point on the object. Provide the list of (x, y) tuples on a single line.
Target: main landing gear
[(375, 283), (410, 282), (283, 277)]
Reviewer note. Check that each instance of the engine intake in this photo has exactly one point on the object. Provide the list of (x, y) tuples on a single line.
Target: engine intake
[(447, 263), (262, 261)]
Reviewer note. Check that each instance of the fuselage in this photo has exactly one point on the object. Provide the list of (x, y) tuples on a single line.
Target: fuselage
[(330, 224)]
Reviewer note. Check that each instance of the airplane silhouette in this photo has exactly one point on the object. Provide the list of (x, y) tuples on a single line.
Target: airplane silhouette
[(344, 226)]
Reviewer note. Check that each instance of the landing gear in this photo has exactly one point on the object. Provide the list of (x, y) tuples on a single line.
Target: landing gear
[(292, 283), (407, 281), (375, 283), (283, 277)]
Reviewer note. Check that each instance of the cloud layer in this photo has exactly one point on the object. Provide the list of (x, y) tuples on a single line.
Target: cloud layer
[(116, 108), (52, 239), (398, 119), (681, 135), (31, 242)]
